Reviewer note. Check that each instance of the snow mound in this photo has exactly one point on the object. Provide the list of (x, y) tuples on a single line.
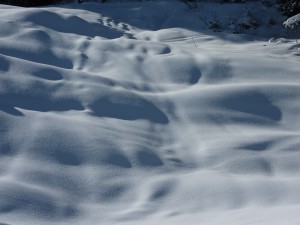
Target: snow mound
[(137, 114)]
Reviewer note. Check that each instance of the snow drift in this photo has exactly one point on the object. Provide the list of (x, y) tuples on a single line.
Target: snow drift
[(137, 114)]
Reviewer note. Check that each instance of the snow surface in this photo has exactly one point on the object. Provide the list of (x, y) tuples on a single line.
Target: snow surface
[(136, 113)]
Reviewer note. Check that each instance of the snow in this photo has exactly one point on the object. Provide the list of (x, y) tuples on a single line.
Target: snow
[(293, 21), (137, 113)]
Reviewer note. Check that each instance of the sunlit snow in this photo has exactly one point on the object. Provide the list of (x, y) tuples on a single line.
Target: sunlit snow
[(139, 114)]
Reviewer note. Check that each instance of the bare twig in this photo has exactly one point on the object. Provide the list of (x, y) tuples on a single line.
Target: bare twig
[(194, 42)]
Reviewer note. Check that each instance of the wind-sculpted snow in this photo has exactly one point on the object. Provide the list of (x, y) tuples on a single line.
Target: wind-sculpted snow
[(113, 114)]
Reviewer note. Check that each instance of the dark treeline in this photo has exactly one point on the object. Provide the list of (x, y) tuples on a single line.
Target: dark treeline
[(33, 3), (30, 3), (288, 7)]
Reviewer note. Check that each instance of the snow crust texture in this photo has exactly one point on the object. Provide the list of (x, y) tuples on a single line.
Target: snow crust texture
[(136, 114)]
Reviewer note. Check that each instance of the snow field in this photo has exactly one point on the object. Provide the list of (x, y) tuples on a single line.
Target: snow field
[(127, 114)]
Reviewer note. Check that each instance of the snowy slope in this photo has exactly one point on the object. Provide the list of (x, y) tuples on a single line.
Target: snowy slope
[(136, 113)]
